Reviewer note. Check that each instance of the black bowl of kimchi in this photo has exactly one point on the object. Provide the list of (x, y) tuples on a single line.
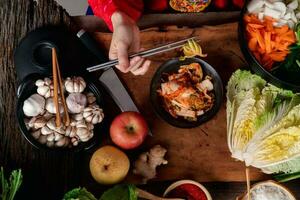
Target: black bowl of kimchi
[(179, 113)]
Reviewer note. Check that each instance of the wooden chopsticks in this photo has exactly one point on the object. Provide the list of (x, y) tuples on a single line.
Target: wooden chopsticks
[(144, 54), (58, 85)]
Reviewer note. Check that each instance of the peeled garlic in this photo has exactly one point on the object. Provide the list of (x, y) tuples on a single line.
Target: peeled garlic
[(93, 114), (76, 102), (75, 84), (34, 105), (50, 107)]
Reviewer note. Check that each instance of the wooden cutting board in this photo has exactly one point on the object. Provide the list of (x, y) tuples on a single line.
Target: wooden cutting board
[(200, 153)]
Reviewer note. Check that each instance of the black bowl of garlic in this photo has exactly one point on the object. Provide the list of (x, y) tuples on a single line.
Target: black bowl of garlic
[(36, 114)]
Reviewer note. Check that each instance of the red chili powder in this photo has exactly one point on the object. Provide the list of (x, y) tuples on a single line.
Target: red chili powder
[(187, 191)]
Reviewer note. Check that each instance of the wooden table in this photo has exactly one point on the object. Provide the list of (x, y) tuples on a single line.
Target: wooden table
[(48, 175)]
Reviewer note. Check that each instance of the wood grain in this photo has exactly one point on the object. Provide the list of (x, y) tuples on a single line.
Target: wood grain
[(201, 153)]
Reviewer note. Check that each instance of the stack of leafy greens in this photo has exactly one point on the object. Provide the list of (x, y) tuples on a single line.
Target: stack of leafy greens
[(263, 124), (118, 192)]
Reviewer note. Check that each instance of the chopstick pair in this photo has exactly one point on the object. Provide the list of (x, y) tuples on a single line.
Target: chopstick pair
[(144, 54), (58, 85)]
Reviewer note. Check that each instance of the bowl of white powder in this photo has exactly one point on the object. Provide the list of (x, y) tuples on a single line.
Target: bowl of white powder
[(269, 190)]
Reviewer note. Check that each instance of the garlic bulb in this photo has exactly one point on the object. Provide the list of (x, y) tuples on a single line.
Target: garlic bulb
[(50, 107), (91, 99), (76, 102), (83, 133), (93, 114), (75, 84), (44, 87), (34, 105)]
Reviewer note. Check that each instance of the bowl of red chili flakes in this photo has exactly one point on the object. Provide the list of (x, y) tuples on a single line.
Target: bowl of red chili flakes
[(187, 189)]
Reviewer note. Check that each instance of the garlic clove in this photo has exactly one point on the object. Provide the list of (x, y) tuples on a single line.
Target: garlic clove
[(46, 131), (74, 141), (78, 117), (50, 137), (42, 139), (82, 132), (91, 98), (95, 119), (34, 105), (36, 134), (61, 142), (57, 136), (39, 82), (50, 144)]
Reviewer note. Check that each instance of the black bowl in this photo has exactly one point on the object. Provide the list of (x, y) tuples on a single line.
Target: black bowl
[(284, 80), (172, 66), (27, 88)]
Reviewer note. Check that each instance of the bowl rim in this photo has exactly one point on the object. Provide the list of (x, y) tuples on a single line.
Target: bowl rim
[(21, 116), (272, 183), (217, 105), (251, 59), (186, 181)]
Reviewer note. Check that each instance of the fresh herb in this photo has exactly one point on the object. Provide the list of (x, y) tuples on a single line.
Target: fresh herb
[(10, 187), (79, 194), (120, 192)]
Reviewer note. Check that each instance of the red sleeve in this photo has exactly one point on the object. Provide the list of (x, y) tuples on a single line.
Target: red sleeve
[(105, 9)]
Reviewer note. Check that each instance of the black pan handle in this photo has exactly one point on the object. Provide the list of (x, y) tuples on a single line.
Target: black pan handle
[(91, 44)]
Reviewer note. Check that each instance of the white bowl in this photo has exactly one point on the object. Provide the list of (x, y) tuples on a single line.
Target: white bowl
[(178, 183)]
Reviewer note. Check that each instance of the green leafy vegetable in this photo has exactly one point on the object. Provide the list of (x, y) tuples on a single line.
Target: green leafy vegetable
[(120, 192), (263, 124), (10, 187), (79, 194)]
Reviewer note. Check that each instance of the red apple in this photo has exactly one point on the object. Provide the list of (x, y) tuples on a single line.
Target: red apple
[(128, 130)]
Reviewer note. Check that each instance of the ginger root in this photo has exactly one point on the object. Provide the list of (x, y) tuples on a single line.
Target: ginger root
[(147, 162)]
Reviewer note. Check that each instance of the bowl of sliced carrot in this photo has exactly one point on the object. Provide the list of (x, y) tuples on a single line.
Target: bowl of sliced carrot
[(269, 39)]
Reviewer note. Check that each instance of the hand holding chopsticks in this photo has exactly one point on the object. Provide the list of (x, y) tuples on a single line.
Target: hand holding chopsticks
[(144, 54), (58, 88)]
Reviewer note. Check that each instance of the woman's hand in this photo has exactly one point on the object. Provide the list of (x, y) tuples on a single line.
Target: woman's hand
[(125, 40)]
